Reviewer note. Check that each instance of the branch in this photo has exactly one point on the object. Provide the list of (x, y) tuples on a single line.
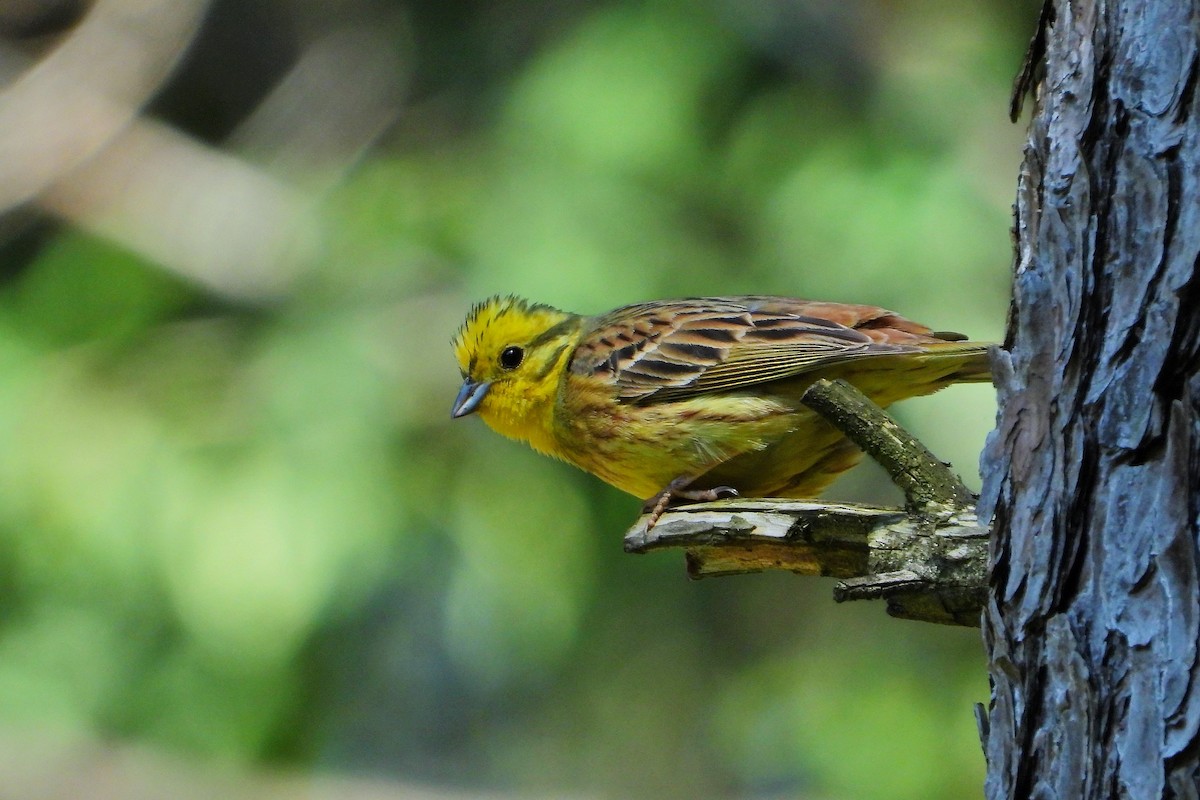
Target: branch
[(925, 480), (932, 570), (67, 107), (929, 561)]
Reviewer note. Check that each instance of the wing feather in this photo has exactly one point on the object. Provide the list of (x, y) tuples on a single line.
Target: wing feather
[(681, 348)]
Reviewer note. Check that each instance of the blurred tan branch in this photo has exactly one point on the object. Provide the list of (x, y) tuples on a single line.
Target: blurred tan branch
[(71, 139), (39, 768), (195, 210), (73, 102)]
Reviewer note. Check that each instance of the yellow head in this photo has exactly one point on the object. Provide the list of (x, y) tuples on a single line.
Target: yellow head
[(512, 355)]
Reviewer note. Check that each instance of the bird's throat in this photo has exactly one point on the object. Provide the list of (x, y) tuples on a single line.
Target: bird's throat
[(525, 414)]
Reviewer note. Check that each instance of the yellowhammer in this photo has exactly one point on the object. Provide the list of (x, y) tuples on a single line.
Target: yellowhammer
[(695, 398)]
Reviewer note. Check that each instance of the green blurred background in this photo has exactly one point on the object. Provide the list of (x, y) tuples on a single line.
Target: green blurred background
[(242, 544)]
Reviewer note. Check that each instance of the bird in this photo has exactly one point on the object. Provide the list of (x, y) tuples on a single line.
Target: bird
[(696, 398)]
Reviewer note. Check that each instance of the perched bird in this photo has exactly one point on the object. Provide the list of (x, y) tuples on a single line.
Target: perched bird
[(695, 398)]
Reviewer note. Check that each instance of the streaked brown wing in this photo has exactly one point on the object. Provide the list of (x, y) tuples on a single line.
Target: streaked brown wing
[(673, 349)]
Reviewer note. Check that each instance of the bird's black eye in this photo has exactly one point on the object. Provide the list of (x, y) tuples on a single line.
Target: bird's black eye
[(510, 357)]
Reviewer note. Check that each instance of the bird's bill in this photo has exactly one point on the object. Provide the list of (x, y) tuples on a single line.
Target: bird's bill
[(469, 397)]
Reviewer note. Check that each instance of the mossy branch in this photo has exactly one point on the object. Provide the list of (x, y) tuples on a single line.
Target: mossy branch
[(928, 560), (925, 480)]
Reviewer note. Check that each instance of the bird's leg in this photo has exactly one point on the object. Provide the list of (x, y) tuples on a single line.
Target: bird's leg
[(677, 490)]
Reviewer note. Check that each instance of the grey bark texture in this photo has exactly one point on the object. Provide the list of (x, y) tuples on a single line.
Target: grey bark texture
[(1094, 612)]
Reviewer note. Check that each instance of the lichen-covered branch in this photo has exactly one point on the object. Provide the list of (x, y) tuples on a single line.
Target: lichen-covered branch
[(926, 568), (928, 561)]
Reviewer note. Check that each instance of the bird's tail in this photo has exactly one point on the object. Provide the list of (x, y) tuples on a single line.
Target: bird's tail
[(887, 379), (968, 362)]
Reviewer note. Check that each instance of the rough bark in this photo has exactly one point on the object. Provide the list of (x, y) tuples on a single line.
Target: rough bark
[(1094, 615)]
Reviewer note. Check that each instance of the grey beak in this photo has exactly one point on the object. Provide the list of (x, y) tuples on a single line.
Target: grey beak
[(469, 397)]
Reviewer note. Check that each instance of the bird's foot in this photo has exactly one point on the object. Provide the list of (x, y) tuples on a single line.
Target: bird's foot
[(677, 490)]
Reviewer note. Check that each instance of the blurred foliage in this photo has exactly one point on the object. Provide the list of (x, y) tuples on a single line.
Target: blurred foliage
[(251, 533)]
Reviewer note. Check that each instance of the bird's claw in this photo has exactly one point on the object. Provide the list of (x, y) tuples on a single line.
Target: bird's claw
[(715, 493), (677, 490)]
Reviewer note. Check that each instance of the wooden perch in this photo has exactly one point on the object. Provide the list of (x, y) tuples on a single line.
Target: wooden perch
[(928, 561)]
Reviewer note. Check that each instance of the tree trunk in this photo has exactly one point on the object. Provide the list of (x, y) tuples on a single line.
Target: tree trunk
[(1094, 614)]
